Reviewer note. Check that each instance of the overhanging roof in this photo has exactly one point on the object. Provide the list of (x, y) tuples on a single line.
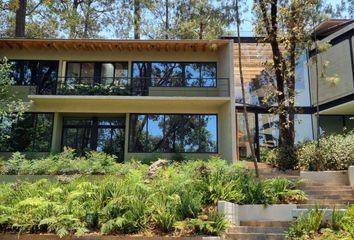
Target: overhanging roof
[(104, 44)]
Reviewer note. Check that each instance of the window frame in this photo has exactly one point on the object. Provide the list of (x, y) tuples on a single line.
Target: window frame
[(182, 114)]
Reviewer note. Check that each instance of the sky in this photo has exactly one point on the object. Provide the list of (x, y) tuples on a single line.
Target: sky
[(247, 17)]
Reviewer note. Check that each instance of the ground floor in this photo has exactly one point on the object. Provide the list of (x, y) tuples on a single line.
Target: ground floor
[(130, 135), (173, 131), (264, 126)]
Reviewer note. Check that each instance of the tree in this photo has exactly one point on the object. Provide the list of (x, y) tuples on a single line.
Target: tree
[(203, 19), (245, 114), (11, 107)]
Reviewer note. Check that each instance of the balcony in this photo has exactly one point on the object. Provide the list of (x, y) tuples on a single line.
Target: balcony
[(124, 86)]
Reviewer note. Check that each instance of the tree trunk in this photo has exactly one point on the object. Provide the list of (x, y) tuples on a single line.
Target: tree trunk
[(167, 20), (250, 140), (21, 19), (137, 19), (72, 33)]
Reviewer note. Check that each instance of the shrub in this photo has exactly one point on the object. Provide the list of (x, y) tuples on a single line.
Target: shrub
[(335, 152), (284, 158), (64, 163), (339, 226)]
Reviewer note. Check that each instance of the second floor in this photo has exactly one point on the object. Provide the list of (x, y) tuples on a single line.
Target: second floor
[(163, 68)]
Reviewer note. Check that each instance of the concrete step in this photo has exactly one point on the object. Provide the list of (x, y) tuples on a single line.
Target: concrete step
[(329, 201), (327, 212), (265, 223), (255, 236), (328, 206), (328, 196), (325, 188), (328, 192), (251, 229)]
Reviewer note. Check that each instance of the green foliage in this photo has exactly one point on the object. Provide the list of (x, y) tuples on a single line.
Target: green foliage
[(181, 198), (335, 152), (339, 226), (284, 158), (64, 163), (306, 225), (11, 107)]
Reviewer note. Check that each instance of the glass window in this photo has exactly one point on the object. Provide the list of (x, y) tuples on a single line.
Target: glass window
[(43, 74), (31, 133), (208, 133), (173, 74), (173, 133), (303, 128), (331, 124), (193, 74), (349, 123), (87, 73), (84, 134), (244, 150)]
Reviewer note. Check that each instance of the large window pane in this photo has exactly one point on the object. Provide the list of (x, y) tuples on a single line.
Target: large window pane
[(155, 133), (244, 150), (208, 133), (173, 74), (331, 124), (42, 74), (193, 74), (208, 75), (173, 133), (31, 133), (138, 133), (349, 123), (100, 134)]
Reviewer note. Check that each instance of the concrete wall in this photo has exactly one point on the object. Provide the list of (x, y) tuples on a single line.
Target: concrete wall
[(339, 63)]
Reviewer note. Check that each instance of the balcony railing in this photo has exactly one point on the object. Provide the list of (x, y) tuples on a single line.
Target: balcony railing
[(211, 87)]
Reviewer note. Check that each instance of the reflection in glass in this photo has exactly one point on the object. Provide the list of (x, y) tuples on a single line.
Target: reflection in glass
[(173, 133), (42, 74), (84, 134), (244, 150), (172, 74), (31, 133)]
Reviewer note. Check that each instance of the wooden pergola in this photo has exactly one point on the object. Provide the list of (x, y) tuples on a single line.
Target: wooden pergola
[(121, 45)]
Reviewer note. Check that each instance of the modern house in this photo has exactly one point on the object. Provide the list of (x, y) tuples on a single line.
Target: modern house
[(136, 99), (161, 98)]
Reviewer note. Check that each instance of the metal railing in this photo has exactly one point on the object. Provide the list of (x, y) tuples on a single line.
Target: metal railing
[(135, 86)]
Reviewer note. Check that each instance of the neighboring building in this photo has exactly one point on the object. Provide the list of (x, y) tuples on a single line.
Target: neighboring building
[(336, 102), (136, 99)]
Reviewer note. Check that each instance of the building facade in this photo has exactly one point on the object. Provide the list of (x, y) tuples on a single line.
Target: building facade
[(135, 99), (147, 99)]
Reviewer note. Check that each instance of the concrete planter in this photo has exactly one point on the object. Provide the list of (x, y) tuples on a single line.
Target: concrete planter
[(326, 177), (351, 176), (97, 237), (236, 213)]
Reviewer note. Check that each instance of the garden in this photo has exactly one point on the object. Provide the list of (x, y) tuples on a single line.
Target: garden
[(96, 195)]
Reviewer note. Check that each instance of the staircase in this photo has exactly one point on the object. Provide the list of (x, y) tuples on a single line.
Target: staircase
[(323, 196), (258, 230)]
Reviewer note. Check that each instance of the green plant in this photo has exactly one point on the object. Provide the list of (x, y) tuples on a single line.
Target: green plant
[(215, 225), (306, 225), (335, 152), (284, 158)]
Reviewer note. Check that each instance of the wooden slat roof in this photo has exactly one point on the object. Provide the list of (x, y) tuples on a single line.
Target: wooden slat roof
[(103, 44)]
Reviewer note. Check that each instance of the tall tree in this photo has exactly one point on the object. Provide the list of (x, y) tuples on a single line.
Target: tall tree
[(21, 19), (286, 26), (137, 19), (245, 114)]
